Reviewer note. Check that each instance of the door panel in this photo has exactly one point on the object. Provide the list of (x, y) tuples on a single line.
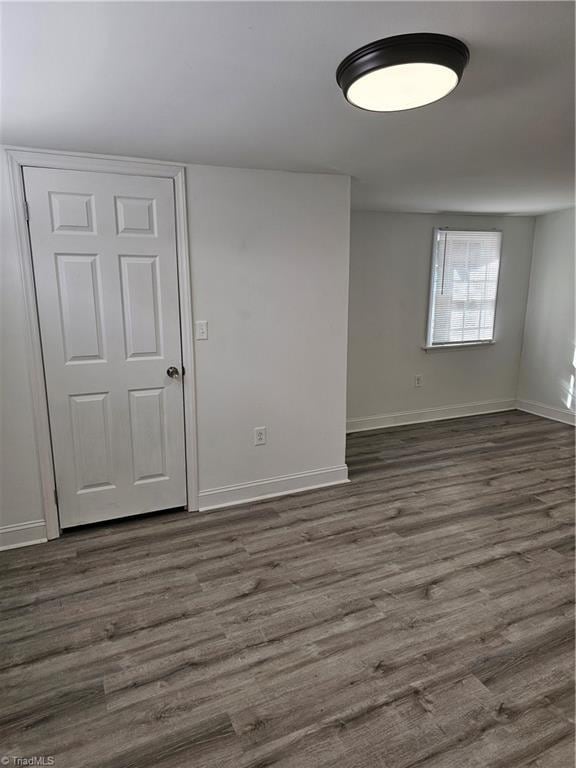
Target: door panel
[(71, 212), (80, 301), (104, 256), (140, 306), (90, 417), (135, 216), (148, 434)]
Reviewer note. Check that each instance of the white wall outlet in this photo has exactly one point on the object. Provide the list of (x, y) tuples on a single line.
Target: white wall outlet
[(201, 329), (259, 435), (418, 380)]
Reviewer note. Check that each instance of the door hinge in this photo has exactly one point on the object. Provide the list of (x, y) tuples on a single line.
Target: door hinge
[(26, 210), (56, 496), (183, 371)]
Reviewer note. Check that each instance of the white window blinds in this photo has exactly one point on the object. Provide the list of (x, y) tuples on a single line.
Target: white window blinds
[(464, 283)]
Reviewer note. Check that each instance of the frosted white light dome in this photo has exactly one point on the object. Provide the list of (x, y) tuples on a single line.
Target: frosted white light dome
[(402, 72), (404, 86)]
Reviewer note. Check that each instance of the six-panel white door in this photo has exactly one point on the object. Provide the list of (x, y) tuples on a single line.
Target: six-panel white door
[(105, 267)]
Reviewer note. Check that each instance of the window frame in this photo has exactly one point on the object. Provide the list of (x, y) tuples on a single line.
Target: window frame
[(428, 345)]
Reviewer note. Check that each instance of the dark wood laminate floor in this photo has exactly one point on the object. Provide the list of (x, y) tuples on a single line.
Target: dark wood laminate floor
[(420, 616)]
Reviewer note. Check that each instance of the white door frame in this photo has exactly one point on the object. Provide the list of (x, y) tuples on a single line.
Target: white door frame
[(18, 157)]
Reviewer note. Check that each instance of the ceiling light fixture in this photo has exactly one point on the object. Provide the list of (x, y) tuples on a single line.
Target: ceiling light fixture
[(402, 72)]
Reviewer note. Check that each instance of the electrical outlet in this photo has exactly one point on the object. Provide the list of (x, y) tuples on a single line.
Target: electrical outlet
[(259, 435), (201, 329), (418, 379)]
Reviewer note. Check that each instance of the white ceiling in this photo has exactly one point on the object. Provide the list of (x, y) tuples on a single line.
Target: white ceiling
[(252, 85)]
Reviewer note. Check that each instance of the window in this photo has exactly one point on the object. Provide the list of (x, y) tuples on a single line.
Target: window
[(463, 287)]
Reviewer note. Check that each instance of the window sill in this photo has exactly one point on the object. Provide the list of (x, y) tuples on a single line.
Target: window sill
[(462, 345)]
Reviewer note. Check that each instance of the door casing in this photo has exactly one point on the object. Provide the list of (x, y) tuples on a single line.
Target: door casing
[(18, 158)]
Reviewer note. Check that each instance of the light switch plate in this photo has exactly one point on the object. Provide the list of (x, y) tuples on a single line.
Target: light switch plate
[(259, 435), (201, 329)]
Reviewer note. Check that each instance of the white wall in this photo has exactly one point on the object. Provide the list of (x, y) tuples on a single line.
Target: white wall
[(269, 256), (270, 275), (389, 282), (546, 384)]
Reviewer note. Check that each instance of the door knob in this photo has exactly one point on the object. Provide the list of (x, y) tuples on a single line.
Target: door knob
[(173, 372)]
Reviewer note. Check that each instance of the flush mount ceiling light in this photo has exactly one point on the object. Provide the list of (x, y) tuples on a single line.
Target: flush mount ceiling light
[(402, 72)]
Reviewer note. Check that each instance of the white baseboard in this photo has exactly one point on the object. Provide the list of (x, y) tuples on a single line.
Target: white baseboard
[(22, 534), (547, 411), (243, 493), (428, 414)]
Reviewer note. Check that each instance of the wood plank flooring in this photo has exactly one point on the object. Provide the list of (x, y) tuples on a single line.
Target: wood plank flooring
[(420, 616)]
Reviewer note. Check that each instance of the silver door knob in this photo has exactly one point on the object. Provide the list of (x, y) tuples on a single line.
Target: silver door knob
[(173, 372)]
